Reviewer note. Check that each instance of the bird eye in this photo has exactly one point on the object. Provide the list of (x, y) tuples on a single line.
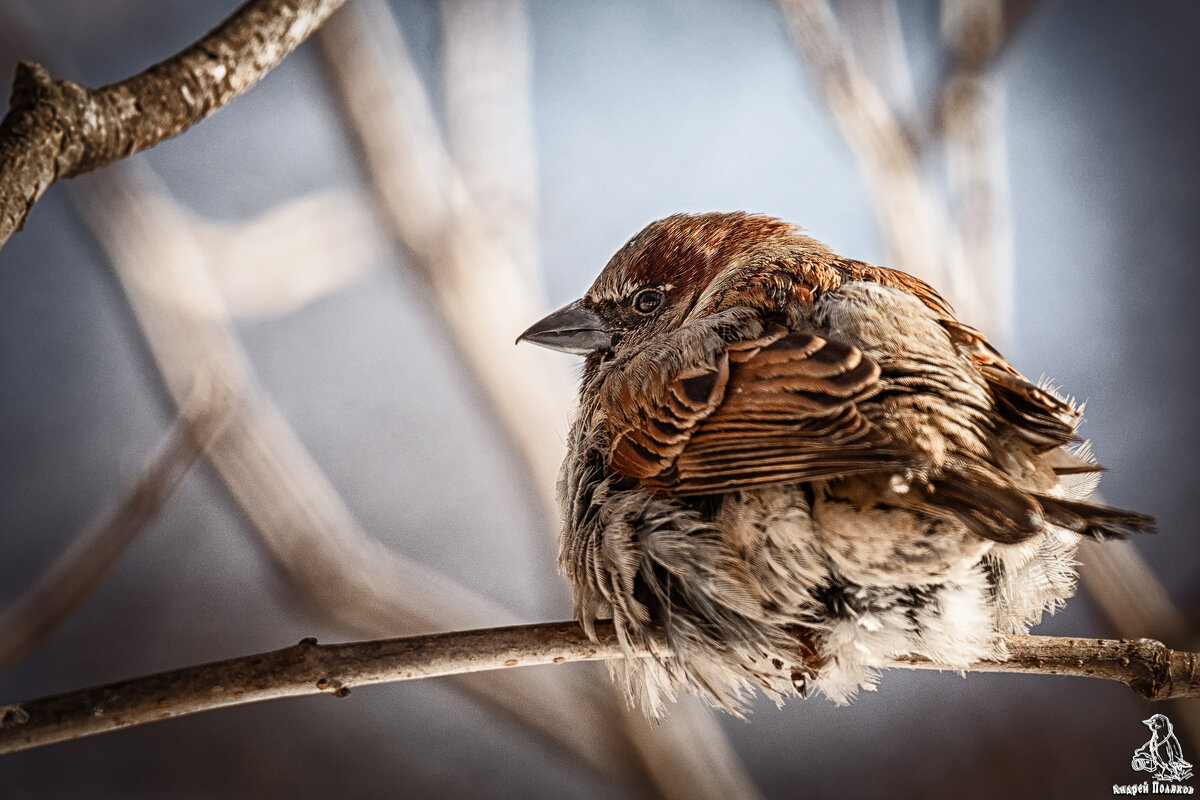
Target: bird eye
[(647, 300)]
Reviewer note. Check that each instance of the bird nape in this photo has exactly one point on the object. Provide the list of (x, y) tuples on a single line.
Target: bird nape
[(789, 468)]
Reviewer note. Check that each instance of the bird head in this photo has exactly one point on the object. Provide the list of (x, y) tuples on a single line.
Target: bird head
[(679, 268), (1157, 723)]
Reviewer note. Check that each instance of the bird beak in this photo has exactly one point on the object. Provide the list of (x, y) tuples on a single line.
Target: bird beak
[(571, 329)]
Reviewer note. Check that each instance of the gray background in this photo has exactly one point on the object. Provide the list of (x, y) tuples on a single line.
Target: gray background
[(642, 109)]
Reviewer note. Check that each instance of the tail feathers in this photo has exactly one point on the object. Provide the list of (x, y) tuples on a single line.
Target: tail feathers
[(1098, 522), (993, 511), (1008, 514)]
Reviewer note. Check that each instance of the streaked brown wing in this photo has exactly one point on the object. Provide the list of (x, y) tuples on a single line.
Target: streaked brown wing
[(781, 408), (660, 397)]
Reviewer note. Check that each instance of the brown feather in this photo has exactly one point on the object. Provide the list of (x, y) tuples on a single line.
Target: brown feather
[(1040, 417), (1096, 521), (652, 446), (787, 413)]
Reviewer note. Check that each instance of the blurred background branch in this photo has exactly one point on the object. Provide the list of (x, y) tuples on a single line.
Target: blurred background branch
[(471, 262), (913, 223), (482, 291)]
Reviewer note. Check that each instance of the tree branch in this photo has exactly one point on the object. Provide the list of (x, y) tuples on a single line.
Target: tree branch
[(59, 129), (1146, 666)]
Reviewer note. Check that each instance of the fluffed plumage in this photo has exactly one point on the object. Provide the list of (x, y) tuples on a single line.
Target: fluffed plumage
[(789, 468)]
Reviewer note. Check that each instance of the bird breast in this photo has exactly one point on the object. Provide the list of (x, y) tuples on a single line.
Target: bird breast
[(874, 545)]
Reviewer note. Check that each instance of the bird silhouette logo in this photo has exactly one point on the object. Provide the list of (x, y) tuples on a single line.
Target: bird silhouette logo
[(1161, 756)]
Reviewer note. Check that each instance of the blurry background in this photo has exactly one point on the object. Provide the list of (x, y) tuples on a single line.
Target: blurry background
[(362, 291)]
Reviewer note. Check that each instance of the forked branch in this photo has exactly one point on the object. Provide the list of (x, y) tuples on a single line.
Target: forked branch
[(59, 129), (1146, 666)]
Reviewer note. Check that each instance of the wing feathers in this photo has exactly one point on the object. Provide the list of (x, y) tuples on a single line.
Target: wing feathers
[(778, 408), (703, 415), (1044, 420), (649, 448)]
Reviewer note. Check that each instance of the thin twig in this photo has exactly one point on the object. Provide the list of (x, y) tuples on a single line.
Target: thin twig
[(1144, 665), (77, 571), (1148, 667), (306, 668), (59, 129)]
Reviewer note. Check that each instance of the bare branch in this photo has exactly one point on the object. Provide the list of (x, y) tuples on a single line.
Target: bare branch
[(306, 668), (1146, 666), (38, 613), (59, 129)]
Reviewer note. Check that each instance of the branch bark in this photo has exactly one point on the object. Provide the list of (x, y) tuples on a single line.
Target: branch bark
[(1146, 666), (58, 129)]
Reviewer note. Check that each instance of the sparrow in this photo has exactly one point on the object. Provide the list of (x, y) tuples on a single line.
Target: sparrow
[(788, 469)]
